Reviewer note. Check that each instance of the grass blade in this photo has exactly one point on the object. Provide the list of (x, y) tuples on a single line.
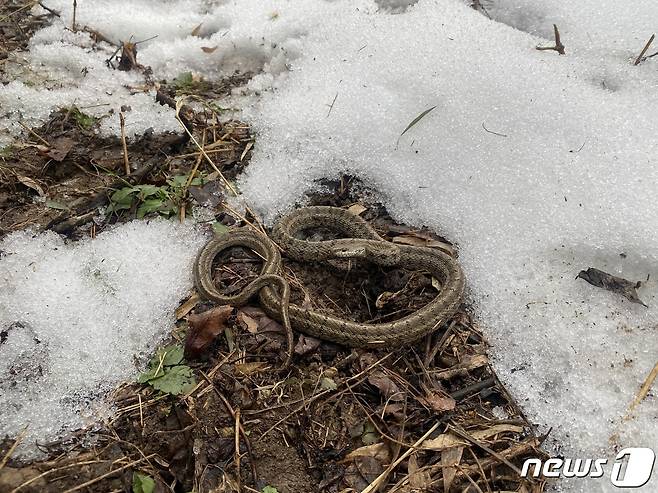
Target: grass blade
[(415, 121)]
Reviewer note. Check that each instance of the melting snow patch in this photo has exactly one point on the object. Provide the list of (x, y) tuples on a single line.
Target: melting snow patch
[(75, 318), (64, 68)]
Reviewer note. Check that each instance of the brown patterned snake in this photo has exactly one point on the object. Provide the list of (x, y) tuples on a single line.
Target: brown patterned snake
[(361, 241)]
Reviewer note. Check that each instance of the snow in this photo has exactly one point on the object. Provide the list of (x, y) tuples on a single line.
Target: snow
[(253, 37), (536, 165), (74, 318)]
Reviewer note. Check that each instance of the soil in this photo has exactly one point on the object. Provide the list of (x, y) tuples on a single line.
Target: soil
[(429, 417)]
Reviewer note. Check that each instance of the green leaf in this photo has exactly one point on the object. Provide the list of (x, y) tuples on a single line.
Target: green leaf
[(146, 191), (56, 205), (370, 434), (328, 384), (219, 228), (172, 355), (176, 380), (184, 80), (269, 489), (143, 483), (415, 120), (123, 195), (149, 205)]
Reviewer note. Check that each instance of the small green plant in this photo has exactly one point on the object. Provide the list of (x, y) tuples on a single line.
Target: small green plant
[(166, 372), (82, 120), (143, 483), (187, 82), (269, 489), (166, 200), (6, 152)]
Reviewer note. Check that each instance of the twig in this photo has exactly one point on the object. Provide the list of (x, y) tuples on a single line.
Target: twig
[(644, 50), (559, 47), (110, 473), (458, 431), (237, 450), (18, 440), (331, 106), (51, 471), (73, 23), (41, 139), (644, 390), (492, 132), (374, 486), (52, 11), (126, 163), (234, 413)]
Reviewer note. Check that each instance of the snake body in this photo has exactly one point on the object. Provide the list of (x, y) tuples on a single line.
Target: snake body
[(360, 241)]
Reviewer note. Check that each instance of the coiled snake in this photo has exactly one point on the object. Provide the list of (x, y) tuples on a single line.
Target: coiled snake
[(361, 241)]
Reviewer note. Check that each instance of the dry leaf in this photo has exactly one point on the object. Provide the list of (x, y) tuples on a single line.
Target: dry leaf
[(306, 344), (384, 298), (187, 307), (357, 209), (611, 283), (462, 368), (448, 440), (385, 385), (419, 479), (379, 451), (30, 183), (60, 148), (251, 368), (209, 49), (248, 323), (449, 459), (438, 402), (196, 30), (204, 328)]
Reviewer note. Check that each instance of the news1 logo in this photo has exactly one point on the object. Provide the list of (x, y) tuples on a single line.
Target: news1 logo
[(632, 467)]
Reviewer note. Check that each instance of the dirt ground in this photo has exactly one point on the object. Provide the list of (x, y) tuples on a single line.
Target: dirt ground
[(431, 417)]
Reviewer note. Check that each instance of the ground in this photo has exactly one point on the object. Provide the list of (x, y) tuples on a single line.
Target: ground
[(430, 417)]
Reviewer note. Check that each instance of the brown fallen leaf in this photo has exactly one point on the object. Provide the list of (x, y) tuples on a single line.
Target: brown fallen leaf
[(438, 402), (449, 440), (209, 49), (248, 323), (196, 30), (380, 451), (449, 459), (420, 480), (30, 183), (204, 328), (386, 386), (384, 298), (306, 344), (187, 307), (128, 60), (611, 283), (251, 368), (60, 148)]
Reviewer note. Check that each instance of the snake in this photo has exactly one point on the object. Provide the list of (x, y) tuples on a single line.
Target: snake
[(359, 240)]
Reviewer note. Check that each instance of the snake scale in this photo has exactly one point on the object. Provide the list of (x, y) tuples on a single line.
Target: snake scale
[(360, 241)]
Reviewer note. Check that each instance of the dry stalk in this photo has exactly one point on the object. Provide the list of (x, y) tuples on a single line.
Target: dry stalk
[(126, 162), (559, 47), (640, 57)]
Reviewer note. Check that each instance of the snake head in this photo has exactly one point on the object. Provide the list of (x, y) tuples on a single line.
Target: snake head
[(378, 252)]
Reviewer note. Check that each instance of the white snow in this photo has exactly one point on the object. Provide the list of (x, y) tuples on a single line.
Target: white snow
[(75, 318), (569, 183)]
